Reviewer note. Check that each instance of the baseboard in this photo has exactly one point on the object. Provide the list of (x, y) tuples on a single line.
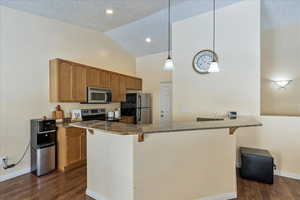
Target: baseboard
[(281, 173), (225, 196), (287, 174), (14, 174), (94, 195)]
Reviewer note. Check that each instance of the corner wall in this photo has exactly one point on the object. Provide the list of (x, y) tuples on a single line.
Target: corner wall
[(29, 42), (150, 68), (280, 61), (236, 87)]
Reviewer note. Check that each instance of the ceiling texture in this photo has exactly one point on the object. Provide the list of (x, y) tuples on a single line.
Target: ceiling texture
[(134, 20)]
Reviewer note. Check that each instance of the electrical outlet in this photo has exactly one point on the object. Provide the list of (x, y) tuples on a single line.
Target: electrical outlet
[(1, 160)]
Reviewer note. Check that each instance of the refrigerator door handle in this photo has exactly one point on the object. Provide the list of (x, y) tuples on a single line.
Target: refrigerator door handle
[(139, 101), (140, 114)]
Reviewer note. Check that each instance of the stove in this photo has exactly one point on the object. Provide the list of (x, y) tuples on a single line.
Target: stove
[(93, 114)]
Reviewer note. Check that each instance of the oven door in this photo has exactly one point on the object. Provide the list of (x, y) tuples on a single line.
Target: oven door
[(96, 95)]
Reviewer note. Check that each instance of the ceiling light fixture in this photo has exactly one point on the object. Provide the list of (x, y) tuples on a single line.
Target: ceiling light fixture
[(109, 11), (214, 66), (148, 40), (169, 65)]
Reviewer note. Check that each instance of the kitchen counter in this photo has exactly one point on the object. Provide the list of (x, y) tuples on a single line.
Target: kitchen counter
[(132, 129)]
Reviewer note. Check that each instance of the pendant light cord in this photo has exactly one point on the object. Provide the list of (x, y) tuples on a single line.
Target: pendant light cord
[(169, 30), (214, 27)]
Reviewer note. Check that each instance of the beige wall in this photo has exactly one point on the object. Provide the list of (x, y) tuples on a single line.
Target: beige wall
[(1, 83), (280, 61), (281, 136), (29, 42), (238, 46), (150, 68)]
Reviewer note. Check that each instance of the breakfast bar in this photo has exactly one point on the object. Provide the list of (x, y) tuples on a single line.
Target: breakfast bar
[(176, 160)]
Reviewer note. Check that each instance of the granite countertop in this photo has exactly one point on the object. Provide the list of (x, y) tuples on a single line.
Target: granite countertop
[(174, 126)]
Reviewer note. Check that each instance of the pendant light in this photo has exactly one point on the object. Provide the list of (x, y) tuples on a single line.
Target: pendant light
[(214, 66), (169, 65)]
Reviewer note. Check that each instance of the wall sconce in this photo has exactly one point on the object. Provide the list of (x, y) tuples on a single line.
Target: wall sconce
[(283, 83)]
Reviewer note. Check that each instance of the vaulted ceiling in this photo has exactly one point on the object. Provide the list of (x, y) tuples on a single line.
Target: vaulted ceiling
[(134, 20)]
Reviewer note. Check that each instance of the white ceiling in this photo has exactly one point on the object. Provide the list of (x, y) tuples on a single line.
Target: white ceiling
[(132, 36), (134, 20), (91, 13)]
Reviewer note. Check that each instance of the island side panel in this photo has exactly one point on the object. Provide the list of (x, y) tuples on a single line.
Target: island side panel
[(185, 165), (109, 166)]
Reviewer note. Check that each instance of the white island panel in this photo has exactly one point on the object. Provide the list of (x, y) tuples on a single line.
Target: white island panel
[(185, 166), (109, 166)]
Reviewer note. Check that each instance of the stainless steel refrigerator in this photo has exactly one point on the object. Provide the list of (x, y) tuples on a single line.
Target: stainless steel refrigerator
[(138, 105)]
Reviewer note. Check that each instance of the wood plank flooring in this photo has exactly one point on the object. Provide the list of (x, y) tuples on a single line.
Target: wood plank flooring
[(71, 186)]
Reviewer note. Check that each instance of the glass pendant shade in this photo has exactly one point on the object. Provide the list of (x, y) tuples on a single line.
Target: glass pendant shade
[(214, 67), (169, 65)]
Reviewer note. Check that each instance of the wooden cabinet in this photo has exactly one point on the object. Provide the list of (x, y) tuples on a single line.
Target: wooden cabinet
[(69, 82), (71, 148), (138, 84), (97, 78), (78, 83), (133, 83), (122, 83), (92, 77), (115, 87)]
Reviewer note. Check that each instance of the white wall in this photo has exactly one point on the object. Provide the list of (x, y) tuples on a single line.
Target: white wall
[(280, 61), (281, 136), (150, 69), (29, 42), (238, 46), (1, 83)]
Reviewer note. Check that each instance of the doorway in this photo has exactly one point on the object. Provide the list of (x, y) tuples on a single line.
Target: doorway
[(165, 102)]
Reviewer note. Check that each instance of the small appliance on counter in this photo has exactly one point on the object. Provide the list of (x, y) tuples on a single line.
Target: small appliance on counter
[(114, 116), (76, 115), (98, 96), (232, 114), (118, 113), (58, 114), (43, 146), (139, 106)]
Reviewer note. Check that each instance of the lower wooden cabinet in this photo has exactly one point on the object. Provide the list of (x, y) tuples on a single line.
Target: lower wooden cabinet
[(71, 148)]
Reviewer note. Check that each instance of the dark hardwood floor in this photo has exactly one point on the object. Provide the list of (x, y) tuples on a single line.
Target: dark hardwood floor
[(71, 186)]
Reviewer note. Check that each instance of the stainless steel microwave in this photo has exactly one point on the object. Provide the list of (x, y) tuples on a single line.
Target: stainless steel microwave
[(98, 95)]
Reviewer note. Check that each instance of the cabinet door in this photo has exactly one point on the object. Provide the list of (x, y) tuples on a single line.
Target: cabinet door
[(75, 145), (92, 77), (65, 81), (104, 79), (123, 88), (130, 83), (138, 84), (115, 87), (79, 83)]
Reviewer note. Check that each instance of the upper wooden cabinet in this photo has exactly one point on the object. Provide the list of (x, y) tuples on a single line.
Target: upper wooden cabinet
[(69, 82), (115, 87), (133, 83), (79, 79), (97, 78)]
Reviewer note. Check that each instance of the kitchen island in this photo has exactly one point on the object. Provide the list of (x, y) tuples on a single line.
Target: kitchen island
[(175, 160)]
